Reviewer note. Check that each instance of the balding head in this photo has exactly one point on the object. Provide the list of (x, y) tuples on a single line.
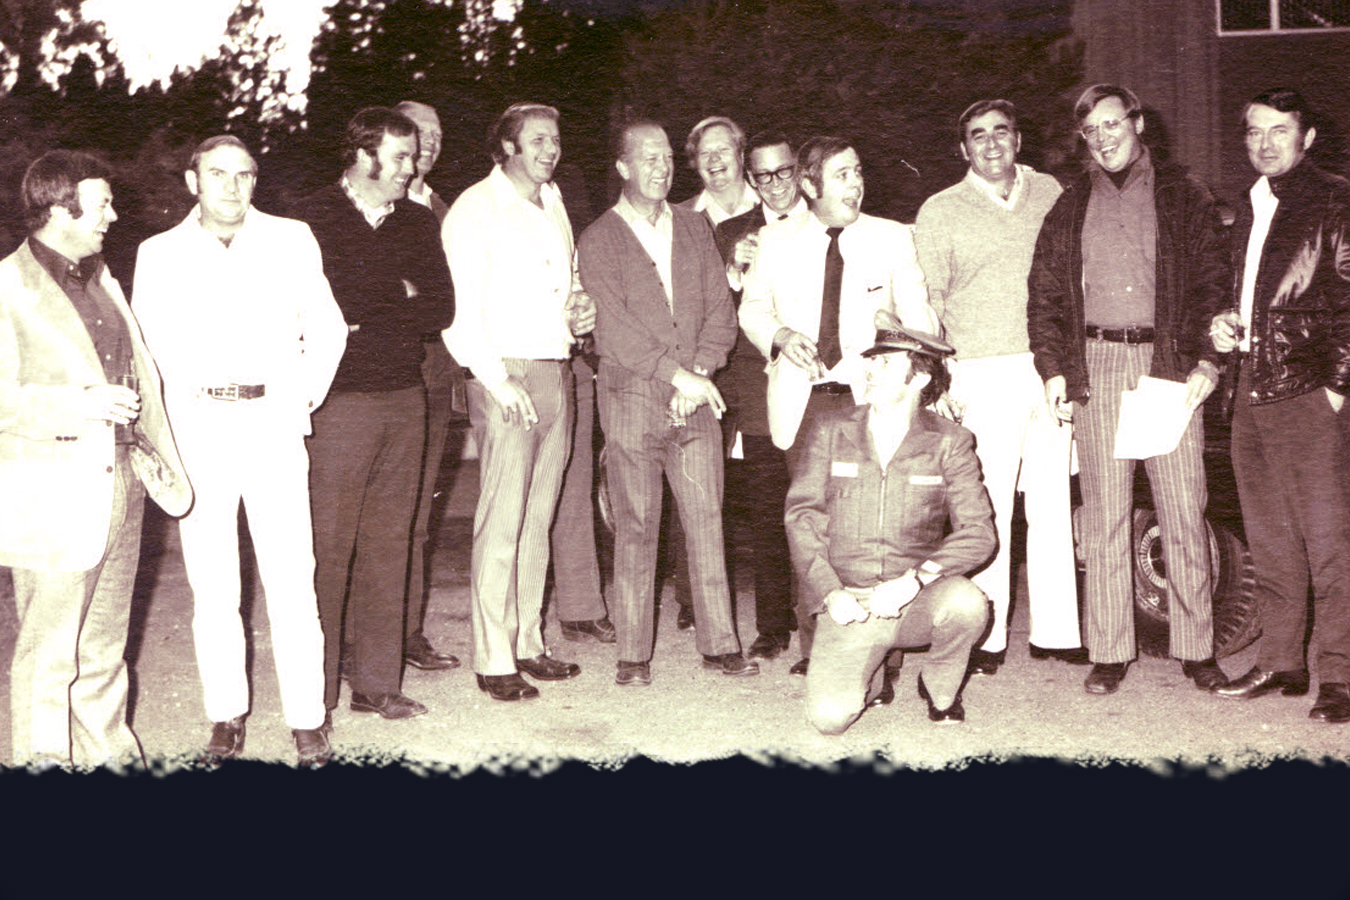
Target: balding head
[(428, 134)]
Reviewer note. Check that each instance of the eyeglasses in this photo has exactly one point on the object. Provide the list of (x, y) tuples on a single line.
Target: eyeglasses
[(1110, 126), (784, 174)]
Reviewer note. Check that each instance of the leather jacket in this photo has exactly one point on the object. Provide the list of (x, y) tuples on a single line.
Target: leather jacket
[(1300, 328), (1192, 281)]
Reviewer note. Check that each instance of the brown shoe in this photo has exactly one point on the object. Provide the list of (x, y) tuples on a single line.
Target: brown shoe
[(633, 673), (227, 741), (507, 687), (312, 746), (546, 668), (731, 664), (392, 705)]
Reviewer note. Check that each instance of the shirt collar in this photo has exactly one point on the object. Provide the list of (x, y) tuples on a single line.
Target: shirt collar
[(1141, 170), (505, 193), (422, 197), (987, 187), (375, 215), (630, 214), (748, 200), (62, 269), (1262, 191), (798, 210)]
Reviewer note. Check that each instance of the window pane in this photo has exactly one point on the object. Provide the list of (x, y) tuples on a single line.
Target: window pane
[(1314, 13), (1244, 15)]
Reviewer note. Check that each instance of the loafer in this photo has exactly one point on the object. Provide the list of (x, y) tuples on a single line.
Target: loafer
[(227, 740), (1258, 682), (1077, 656), (952, 715), (1205, 673), (684, 619), (599, 630), (800, 666), (507, 687), (731, 664), (982, 662), (1333, 703), (768, 646), (312, 746), (887, 693), (421, 655), (1105, 678), (633, 673), (546, 668), (392, 705)]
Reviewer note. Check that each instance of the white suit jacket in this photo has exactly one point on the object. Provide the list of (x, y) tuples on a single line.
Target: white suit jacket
[(783, 289)]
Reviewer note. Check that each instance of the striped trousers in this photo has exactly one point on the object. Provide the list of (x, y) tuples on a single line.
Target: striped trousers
[(520, 473), (1178, 483)]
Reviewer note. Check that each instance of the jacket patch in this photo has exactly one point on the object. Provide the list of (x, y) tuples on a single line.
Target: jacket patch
[(925, 479), (844, 469)]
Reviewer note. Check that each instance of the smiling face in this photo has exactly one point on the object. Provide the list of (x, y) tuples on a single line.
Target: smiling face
[(428, 136), (646, 165), (1112, 134), (223, 185), (838, 202), (990, 145), (388, 172), (534, 155), (780, 194), (1276, 141), (719, 165), (81, 236)]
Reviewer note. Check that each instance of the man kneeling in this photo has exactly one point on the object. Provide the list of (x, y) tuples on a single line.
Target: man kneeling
[(867, 523)]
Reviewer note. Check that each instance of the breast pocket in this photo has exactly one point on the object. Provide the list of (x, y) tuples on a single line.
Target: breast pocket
[(845, 504), (924, 513)]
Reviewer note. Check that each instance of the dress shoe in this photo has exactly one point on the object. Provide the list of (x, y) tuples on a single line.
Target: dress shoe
[(1333, 703), (887, 692), (800, 666), (1205, 673), (507, 687), (1258, 682), (1077, 656), (982, 662), (227, 740), (952, 715), (312, 746), (633, 673), (392, 705), (731, 664), (546, 668), (598, 630), (419, 654), (768, 646), (684, 619), (1105, 678)]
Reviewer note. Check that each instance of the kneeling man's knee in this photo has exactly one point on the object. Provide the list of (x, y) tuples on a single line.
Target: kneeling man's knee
[(964, 606), (831, 715)]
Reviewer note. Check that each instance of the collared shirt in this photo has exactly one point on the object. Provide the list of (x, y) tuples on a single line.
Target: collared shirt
[(798, 210), (422, 197), (1264, 203), (658, 239), (1120, 249), (988, 187), (705, 203), (80, 283), (375, 215), (514, 267), (259, 311)]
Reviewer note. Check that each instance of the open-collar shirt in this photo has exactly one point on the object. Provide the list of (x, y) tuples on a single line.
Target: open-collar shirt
[(657, 239)]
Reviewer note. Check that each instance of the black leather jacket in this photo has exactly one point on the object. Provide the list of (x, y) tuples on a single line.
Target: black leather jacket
[(1300, 330), (1192, 282)]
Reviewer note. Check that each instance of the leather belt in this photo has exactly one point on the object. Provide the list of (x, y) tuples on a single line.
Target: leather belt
[(234, 392), (830, 387), (1131, 335)]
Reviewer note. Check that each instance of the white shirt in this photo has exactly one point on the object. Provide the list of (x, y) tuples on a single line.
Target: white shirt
[(374, 215), (658, 240), (256, 312), (1264, 203), (798, 210), (422, 197), (708, 205), (514, 267), (992, 190)]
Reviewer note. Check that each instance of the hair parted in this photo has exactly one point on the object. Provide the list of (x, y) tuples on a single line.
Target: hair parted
[(53, 179), (696, 134), (511, 122), (979, 108), (211, 143), (1099, 92), (1286, 100), (814, 153)]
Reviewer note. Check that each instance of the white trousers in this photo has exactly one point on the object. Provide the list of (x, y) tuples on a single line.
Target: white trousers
[(238, 452), (1022, 448)]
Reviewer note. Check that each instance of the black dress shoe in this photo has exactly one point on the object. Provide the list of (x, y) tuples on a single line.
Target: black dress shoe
[(1077, 656), (982, 662), (684, 619), (887, 693), (1105, 678), (227, 740), (598, 630), (800, 666), (1205, 673), (768, 646), (633, 673), (507, 687), (392, 705), (731, 664), (952, 715), (312, 746), (546, 668), (421, 655), (1258, 682), (1333, 703)]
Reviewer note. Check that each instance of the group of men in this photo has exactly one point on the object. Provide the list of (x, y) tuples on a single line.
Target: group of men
[(878, 394)]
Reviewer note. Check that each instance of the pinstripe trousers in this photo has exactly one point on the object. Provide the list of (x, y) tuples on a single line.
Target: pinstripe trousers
[(641, 445), (520, 473), (1177, 480)]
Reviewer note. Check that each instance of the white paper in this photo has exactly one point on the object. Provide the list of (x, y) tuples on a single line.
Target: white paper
[(1152, 419)]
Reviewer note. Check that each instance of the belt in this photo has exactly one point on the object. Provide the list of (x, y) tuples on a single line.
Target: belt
[(830, 387), (234, 392), (1131, 335)]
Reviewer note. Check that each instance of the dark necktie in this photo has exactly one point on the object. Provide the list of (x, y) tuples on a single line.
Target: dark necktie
[(828, 345)]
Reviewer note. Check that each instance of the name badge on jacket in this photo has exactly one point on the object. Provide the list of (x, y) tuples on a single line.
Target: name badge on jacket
[(925, 479), (844, 469)]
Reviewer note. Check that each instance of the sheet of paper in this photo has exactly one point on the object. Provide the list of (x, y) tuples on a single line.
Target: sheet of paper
[(1153, 418)]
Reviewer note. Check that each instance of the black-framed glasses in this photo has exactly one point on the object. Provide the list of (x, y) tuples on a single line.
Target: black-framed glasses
[(784, 174)]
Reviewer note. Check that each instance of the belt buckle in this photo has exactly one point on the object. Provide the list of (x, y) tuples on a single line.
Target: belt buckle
[(229, 392), (1131, 334)]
